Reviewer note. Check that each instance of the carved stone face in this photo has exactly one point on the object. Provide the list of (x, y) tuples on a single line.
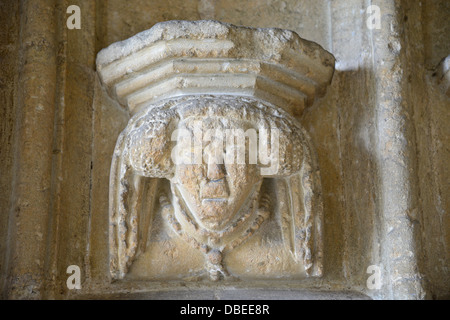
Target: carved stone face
[(215, 188)]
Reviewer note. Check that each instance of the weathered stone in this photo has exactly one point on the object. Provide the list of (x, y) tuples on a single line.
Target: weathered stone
[(183, 57), (380, 133), (217, 203)]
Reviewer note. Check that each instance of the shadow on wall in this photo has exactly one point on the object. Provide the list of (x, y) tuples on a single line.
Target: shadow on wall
[(342, 126)]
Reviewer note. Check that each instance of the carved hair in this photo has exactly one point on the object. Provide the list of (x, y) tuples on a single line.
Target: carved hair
[(148, 136)]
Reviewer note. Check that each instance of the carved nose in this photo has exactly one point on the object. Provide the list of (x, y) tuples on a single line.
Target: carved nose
[(216, 171)]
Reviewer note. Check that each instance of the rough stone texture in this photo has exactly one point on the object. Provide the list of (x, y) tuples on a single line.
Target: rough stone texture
[(228, 228), (31, 194), (429, 110), (8, 64), (231, 293), (181, 57), (245, 227), (359, 157)]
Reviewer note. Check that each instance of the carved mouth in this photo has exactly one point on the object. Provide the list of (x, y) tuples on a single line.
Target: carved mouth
[(213, 200)]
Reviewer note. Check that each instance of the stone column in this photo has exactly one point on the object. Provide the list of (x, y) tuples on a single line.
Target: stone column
[(397, 162), (31, 182)]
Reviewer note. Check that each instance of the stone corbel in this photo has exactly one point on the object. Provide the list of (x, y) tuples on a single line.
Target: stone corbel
[(179, 58), (231, 77)]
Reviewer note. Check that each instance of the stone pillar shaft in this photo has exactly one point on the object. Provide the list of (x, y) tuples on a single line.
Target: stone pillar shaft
[(31, 190)]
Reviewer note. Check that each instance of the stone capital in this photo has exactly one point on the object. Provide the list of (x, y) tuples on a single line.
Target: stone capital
[(177, 58)]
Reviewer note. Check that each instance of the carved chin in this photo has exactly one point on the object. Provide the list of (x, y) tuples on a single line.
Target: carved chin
[(215, 214)]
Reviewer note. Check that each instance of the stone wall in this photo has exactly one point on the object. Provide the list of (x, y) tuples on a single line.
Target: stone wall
[(381, 133)]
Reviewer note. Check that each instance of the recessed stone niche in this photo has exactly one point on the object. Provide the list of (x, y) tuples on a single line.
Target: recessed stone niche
[(87, 122), (213, 216)]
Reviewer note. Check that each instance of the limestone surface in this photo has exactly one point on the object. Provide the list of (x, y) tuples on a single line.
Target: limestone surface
[(193, 57), (254, 214)]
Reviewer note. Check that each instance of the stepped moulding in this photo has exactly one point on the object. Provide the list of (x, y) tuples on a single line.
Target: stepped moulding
[(214, 178)]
